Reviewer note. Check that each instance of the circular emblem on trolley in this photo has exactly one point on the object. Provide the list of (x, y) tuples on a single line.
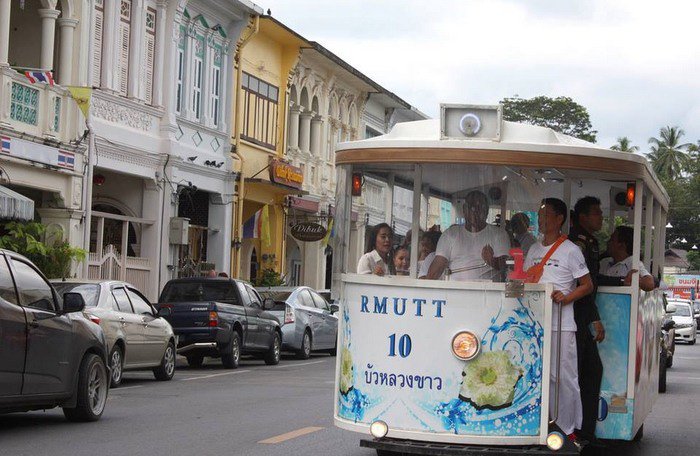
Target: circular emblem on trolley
[(465, 345), (469, 124), (308, 232)]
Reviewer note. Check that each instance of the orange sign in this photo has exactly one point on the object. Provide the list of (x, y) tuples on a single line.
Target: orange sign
[(286, 174)]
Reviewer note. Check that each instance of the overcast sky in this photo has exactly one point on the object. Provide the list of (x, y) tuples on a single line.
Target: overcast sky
[(634, 64)]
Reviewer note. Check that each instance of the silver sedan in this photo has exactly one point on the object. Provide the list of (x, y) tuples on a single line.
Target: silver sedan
[(308, 322), (137, 336)]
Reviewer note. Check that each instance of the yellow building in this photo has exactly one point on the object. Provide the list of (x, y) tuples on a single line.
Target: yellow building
[(267, 55)]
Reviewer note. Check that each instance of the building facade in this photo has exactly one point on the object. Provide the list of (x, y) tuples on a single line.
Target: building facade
[(41, 128)]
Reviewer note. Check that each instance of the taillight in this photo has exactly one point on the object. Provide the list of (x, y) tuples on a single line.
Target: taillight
[(213, 319), (288, 314)]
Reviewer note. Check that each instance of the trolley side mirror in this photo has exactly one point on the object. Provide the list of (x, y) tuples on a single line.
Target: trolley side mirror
[(334, 308), (668, 325)]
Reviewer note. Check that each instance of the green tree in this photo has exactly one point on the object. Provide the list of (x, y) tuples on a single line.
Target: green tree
[(694, 260), (54, 260), (561, 114), (624, 145), (668, 156)]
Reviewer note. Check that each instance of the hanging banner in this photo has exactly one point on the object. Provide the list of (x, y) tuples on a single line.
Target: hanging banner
[(308, 232)]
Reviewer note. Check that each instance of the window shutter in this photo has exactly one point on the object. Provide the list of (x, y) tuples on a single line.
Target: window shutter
[(124, 37), (97, 34), (149, 54)]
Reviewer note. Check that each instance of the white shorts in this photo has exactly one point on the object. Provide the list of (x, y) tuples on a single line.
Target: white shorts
[(570, 410)]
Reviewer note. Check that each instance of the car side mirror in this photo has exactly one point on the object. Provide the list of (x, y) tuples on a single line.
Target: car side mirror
[(334, 308), (671, 308), (268, 304), (73, 302), (668, 325), (164, 312)]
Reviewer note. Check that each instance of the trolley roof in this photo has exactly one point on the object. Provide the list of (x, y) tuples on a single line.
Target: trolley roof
[(519, 145)]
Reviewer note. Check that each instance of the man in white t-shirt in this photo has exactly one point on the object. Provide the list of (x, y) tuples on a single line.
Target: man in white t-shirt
[(566, 270), (617, 269), (476, 250)]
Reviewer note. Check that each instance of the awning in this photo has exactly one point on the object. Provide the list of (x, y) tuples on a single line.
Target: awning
[(14, 206)]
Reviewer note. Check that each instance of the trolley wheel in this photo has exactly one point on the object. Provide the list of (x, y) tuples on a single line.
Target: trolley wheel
[(663, 363), (640, 433)]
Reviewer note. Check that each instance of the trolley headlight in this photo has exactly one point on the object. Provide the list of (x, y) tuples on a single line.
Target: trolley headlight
[(465, 345), (379, 429), (555, 440)]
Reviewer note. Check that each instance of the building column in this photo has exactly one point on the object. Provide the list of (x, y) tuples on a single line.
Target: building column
[(48, 33), (316, 124), (135, 88), (305, 132), (294, 127), (4, 32), (67, 30)]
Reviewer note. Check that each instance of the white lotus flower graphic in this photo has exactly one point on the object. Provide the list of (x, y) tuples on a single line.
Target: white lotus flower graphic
[(489, 380), (346, 371)]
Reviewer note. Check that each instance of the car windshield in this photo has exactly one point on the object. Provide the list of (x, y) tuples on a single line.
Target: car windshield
[(219, 291), (682, 310), (89, 291)]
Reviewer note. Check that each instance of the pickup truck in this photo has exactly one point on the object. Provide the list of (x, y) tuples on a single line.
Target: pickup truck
[(220, 317)]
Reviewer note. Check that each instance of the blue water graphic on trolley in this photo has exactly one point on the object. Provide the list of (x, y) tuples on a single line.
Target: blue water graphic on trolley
[(517, 332)]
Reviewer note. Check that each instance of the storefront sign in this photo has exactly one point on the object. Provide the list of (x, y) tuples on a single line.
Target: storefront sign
[(39, 153), (308, 232), (286, 174)]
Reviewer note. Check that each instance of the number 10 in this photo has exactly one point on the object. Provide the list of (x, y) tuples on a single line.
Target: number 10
[(404, 345)]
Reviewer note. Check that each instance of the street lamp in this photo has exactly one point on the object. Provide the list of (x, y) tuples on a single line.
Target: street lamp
[(694, 247), (668, 225), (684, 241)]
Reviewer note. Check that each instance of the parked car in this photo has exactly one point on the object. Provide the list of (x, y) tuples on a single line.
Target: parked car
[(696, 312), (682, 314), (221, 317), (309, 323), (137, 336), (666, 349), (326, 294), (50, 354)]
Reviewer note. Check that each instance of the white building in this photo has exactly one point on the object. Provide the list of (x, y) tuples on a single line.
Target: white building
[(42, 158), (164, 74), (332, 102)]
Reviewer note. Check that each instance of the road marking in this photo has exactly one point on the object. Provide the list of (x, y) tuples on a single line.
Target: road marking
[(121, 388), (684, 378), (687, 357), (291, 435), (298, 364), (214, 375)]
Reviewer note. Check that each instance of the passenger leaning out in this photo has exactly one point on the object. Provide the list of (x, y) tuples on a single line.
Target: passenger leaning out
[(377, 260), (617, 269), (558, 261), (476, 250)]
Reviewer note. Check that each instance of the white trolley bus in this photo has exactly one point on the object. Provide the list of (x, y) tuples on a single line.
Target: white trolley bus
[(461, 364)]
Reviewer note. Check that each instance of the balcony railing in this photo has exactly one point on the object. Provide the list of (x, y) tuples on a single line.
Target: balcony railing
[(34, 109)]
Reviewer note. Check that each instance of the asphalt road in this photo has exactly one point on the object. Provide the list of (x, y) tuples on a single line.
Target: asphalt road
[(261, 410)]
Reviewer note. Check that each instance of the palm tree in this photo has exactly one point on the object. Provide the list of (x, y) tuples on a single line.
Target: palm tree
[(668, 157), (624, 145)]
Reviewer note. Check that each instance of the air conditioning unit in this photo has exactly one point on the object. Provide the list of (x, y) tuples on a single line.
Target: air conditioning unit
[(179, 230)]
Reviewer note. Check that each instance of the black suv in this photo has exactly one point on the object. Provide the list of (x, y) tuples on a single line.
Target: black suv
[(50, 354)]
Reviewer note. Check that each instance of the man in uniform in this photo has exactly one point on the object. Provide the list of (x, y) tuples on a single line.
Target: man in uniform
[(588, 218)]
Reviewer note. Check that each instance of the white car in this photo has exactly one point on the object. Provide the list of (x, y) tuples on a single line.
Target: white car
[(682, 314), (137, 336)]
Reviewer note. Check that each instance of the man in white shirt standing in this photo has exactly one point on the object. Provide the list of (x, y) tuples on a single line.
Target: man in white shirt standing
[(476, 250), (566, 270), (617, 269)]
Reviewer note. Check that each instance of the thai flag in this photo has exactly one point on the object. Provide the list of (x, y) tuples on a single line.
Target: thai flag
[(6, 143), (39, 77), (66, 159)]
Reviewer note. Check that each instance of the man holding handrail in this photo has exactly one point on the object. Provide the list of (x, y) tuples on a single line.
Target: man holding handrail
[(476, 250), (558, 261)]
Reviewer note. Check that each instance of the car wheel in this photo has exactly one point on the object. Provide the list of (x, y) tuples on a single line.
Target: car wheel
[(195, 361), (116, 366), (166, 370), (231, 358), (93, 385), (334, 351), (273, 354), (305, 350), (692, 341), (663, 362)]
